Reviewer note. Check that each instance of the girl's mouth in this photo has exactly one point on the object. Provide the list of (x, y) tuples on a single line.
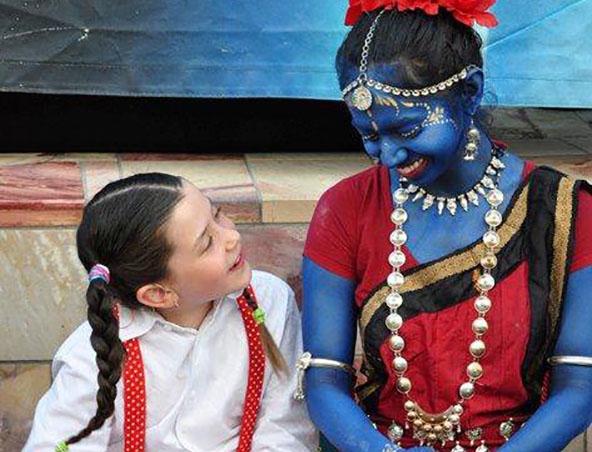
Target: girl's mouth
[(414, 168), (240, 260)]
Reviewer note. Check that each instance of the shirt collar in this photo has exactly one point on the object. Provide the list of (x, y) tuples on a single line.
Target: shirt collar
[(134, 323)]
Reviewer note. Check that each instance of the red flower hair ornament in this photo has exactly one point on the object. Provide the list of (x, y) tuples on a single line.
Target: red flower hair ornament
[(466, 11)]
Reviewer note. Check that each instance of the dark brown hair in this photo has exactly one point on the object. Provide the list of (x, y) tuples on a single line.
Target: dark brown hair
[(428, 49), (123, 227)]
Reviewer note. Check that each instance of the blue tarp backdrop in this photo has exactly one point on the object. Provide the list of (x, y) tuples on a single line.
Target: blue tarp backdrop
[(540, 55)]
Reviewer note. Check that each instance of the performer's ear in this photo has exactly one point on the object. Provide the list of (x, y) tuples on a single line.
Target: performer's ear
[(473, 89)]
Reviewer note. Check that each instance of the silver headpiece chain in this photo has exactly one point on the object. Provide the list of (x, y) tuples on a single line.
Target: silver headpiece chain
[(362, 97)]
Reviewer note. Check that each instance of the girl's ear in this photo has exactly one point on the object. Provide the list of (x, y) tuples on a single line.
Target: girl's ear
[(157, 296)]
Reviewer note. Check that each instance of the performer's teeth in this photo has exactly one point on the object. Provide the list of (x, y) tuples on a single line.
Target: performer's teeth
[(412, 167)]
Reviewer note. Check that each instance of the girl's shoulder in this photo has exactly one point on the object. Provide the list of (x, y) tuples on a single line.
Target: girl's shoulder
[(76, 351)]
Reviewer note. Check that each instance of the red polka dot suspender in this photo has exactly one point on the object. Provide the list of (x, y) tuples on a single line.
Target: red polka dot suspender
[(247, 305), (134, 383), (134, 398)]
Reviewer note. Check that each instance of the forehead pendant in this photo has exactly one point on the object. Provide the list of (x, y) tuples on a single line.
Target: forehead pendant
[(362, 98)]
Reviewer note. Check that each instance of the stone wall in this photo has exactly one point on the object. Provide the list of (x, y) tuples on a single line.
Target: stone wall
[(270, 196)]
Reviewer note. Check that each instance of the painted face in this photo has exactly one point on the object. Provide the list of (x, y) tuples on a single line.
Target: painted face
[(419, 137), (208, 260)]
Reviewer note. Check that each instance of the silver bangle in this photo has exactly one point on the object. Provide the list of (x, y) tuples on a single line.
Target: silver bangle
[(306, 360), (574, 360)]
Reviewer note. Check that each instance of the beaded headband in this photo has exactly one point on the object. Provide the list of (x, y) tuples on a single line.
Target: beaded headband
[(99, 272), (362, 96)]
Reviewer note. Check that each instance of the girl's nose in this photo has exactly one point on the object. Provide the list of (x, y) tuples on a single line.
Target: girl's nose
[(232, 239)]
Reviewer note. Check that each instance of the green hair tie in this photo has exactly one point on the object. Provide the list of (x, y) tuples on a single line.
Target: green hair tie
[(259, 316), (62, 447)]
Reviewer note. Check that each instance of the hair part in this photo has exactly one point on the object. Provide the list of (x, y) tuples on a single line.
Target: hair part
[(425, 49)]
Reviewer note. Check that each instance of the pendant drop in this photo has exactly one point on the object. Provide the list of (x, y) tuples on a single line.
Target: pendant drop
[(463, 202), (395, 432), (362, 98), (482, 447), (506, 429), (458, 448), (474, 434), (488, 182), (497, 163), (451, 206), (418, 195), (473, 197), (427, 202), (441, 202)]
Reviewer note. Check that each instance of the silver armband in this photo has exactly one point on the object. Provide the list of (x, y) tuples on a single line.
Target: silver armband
[(574, 360), (306, 360)]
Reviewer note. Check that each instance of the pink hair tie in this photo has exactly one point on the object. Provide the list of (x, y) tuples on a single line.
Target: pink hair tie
[(99, 272)]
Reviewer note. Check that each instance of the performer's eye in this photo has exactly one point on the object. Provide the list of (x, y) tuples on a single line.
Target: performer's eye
[(370, 137)]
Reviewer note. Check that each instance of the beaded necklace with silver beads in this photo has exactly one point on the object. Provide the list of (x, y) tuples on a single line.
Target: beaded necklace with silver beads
[(430, 428)]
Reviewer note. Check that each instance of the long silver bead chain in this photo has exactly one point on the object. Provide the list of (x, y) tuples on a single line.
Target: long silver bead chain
[(426, 428)]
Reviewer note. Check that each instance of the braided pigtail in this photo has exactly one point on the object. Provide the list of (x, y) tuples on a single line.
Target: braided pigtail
[(272, 352), (110, 353)]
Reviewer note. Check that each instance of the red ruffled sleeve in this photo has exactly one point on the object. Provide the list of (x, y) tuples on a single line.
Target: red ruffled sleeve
[(582, 251), (332, 236)]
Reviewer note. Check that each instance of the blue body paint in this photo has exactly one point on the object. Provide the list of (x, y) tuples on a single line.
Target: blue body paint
[(399, 135)]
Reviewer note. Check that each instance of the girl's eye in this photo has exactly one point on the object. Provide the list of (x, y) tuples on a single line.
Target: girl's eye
[(370, 137), (210, 240)]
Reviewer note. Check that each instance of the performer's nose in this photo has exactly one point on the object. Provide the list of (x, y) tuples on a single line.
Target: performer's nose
[(392, 154)]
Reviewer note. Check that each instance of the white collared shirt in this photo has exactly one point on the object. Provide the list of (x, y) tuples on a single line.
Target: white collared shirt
[(195, 383)]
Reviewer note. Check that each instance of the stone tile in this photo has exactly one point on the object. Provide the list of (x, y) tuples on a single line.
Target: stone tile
[(224, 179), (276, 249), (40, 194), (577, 445), (9, 159), (84, 157), (43, 288), (155, 157), (578, 167), (21, 387), (96, 174), (542, 148), (585, 115), (558, 123), (512, 124), (583, 144), (291, 184)]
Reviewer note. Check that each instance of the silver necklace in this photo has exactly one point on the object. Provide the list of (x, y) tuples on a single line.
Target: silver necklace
[(464, 200), (429, 428)]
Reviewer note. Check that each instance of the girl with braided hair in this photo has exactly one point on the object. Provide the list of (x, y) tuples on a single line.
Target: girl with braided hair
[(180, 332)]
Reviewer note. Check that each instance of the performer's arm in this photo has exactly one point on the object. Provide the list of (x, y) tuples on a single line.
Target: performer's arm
[(329, 329), (568, 411)]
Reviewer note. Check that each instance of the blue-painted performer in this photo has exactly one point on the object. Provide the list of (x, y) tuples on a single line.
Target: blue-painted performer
[(180, 332), (467, 270)]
